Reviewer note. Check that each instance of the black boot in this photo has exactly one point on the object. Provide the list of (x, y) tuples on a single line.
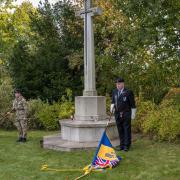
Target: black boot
[(24, 139), (119, 148), (20, 139), (126, 148)]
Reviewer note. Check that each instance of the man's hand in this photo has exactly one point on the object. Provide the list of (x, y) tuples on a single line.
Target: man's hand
[(112, 108), (133, 113)]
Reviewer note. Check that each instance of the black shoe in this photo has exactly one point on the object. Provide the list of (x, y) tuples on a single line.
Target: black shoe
[(119, 148), (24, 139), (41, 143), (126, 149), (19, 140)]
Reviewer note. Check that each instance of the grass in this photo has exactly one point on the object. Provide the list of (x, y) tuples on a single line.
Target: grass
[(147, 160)]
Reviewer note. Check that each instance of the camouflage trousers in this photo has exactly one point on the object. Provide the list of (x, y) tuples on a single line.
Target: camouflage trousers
[(21, 125)]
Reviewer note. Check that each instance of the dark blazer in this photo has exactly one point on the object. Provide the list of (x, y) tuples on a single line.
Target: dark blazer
[(123, 102)]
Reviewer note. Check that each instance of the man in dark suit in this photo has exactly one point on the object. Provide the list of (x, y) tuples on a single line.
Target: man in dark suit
[(124, 108)]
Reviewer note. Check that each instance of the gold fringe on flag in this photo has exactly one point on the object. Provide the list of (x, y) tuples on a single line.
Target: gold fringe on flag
[(87, 170)]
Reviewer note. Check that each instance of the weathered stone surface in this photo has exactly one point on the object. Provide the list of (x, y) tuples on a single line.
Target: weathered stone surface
[(55, 142), (86, 131), (90, 108)]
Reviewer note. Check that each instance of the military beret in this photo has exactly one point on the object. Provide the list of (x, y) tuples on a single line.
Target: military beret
[(17, 91), (119, 80)]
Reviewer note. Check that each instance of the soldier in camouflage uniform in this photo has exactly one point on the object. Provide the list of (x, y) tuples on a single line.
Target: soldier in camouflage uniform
[(20, 108)]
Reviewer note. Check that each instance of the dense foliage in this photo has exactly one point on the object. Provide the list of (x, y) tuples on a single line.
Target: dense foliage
[(41, 52), (139, 40), (48, 116), (39, 61), (6, 96), (160, 122)]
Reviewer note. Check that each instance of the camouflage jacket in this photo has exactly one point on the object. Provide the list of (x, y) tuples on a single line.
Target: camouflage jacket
[(20, 107)]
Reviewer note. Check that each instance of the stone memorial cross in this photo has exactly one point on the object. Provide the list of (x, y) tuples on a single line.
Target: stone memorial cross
[(89, 57)]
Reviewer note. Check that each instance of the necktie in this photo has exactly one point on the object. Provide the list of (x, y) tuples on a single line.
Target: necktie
[(119, 93)]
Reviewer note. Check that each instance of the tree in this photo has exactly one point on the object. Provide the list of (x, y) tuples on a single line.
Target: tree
[(134, 39), (142, 39), (40, 62)]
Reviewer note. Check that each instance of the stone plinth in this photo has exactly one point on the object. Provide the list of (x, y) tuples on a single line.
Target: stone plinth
[(90, 108), (85, 131), (78, 135), (55, 142), (88, 131)]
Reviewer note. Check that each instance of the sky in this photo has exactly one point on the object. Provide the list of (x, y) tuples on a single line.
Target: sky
[(34, 2)]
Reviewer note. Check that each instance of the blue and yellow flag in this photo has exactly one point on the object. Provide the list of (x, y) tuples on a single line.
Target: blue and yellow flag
[(105, 156)]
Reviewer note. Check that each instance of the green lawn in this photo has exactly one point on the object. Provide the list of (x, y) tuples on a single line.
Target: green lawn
[(146, 160)]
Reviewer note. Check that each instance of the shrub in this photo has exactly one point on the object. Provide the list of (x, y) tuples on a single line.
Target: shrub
[(172, 98), (108, 104), (34, 106), (174, 94), (144, 108), (6, 98), (160, 122), (163, 124), (48, 116), (66, 110), (66, 106)]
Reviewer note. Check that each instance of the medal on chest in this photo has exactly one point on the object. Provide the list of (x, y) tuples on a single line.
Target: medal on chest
[(124, 99)]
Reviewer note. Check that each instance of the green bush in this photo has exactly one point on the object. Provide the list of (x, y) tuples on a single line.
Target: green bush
[(108, 103), (144, 108), (66, 110), (34, 106), (163, 124), (66, 106), (6, 99), (160, 122), (172, 98), (48, 116)]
